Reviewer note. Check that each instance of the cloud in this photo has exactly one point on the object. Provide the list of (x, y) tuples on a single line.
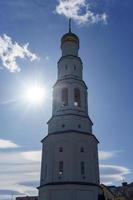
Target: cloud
[(10, 192), (104, 155), (112, 173), (30, 183), (10, 51), (17, 167), (32, 155), (5, 144), (80, 11), (23, 157)]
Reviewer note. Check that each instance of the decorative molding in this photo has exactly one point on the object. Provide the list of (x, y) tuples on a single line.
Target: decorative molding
[(81, 82), (67, 114), (69, 183), (70, 132), (71, 57)]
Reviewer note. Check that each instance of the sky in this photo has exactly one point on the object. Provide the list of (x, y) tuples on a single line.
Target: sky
[(30, 33)]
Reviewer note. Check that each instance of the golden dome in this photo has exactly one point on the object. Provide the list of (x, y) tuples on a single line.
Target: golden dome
[(69, 37)]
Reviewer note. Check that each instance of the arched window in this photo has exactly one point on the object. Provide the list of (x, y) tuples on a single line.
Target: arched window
[(60, 149), (82, 165), (79, 126), (61, 168), (77, 100), (64, 96)]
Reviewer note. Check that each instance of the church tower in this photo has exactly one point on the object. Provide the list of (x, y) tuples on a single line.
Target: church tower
[(69, 168)]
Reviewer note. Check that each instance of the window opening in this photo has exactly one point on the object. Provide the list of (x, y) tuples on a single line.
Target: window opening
[(79, 126), (77, 100), (82, 168), (60, 149), (61, 168), (65, 96), (82, 149)]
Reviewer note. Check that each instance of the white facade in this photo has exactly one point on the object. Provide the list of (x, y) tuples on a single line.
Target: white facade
[(70, 168)]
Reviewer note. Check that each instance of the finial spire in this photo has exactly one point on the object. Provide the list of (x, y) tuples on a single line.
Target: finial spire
[(70, 25)]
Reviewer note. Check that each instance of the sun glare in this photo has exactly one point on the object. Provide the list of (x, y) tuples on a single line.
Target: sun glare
[(35, 94)]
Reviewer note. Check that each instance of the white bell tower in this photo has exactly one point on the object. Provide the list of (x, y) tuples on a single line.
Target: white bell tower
[(70, 169)]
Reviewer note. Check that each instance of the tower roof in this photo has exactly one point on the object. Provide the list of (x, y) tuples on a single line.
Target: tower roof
[(69, 37)]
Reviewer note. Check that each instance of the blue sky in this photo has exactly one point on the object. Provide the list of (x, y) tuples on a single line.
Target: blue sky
[(105, 29)]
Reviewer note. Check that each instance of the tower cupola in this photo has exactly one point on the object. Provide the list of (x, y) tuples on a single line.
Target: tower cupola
[(69, 43), (69, 37)]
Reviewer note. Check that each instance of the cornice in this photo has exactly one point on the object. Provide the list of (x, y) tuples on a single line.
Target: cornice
[(69, 132), (69, 183)]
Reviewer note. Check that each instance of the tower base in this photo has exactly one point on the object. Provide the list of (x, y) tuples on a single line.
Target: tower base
[(69, 191)]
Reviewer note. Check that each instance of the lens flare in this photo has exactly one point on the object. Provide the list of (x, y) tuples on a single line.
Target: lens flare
[(35, 94)]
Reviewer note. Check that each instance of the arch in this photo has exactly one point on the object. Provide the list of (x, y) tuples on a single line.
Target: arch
[(77, 98), (64, 96)]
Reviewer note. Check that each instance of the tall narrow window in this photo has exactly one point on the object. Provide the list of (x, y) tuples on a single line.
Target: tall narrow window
[(77, 100), (82, 149), (65, 96), (60, 149), (82, 168), (61, 168)]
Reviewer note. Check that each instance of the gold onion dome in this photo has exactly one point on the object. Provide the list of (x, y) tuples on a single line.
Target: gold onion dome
[(69, 37)]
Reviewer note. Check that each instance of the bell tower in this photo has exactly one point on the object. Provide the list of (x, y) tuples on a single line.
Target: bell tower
[(69, 168)]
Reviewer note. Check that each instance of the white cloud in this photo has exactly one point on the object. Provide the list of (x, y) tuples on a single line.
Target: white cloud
[(112, 173), (104, 155), (80, 11), (32, 155), (4, 144), (17, 168), (114, 169), (10, 51), (20, 157)]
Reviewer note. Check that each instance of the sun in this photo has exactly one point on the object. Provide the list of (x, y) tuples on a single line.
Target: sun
[(35, 94)]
